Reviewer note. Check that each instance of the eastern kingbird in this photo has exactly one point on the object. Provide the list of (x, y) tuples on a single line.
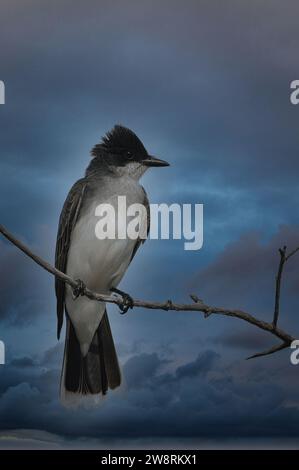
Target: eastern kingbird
[(90, 364)]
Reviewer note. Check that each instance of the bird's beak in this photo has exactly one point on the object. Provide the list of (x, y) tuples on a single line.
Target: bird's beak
[(154, 161)]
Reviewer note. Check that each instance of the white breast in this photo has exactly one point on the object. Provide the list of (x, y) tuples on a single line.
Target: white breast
[(100, 264)]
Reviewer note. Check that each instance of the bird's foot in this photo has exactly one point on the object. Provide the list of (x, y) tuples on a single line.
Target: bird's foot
[(79, 290), (127, 301)]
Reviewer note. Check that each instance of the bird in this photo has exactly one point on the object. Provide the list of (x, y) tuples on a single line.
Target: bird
[(90, 364)]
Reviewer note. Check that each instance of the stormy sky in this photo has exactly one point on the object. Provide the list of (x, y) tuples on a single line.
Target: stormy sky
[(206, 86)]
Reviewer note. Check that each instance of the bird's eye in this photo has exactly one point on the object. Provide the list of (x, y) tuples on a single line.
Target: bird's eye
[(129, 155)]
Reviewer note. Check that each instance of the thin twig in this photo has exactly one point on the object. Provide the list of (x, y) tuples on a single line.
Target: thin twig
[(272, 350), (282, 252), (292, 253), (197, 306), (283, 259)]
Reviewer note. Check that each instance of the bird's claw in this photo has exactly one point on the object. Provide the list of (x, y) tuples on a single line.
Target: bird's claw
[(127, 301), (79, 289)]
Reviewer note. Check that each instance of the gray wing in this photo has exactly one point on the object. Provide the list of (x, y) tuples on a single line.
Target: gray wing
[(140, 240), (68, 218)]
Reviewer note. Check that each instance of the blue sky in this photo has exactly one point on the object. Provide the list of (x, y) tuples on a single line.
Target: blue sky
[(206, 86)]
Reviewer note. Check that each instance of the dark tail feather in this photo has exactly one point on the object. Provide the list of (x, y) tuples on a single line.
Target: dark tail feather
[(94, 373)]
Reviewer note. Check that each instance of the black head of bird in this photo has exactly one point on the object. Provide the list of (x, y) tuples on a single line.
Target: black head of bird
[(122, 151)]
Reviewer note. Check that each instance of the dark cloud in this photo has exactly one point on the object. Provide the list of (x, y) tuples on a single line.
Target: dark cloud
[(53, 356), (237, 400), (141, 368), (23, 287), (243, 275), (246, 338), (23, 362), (199, 367)]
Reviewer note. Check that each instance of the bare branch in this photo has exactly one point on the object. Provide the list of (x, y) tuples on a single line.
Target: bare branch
[(197, 306), (282, 252), (283, 259), (279, 347), (292, 253)]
